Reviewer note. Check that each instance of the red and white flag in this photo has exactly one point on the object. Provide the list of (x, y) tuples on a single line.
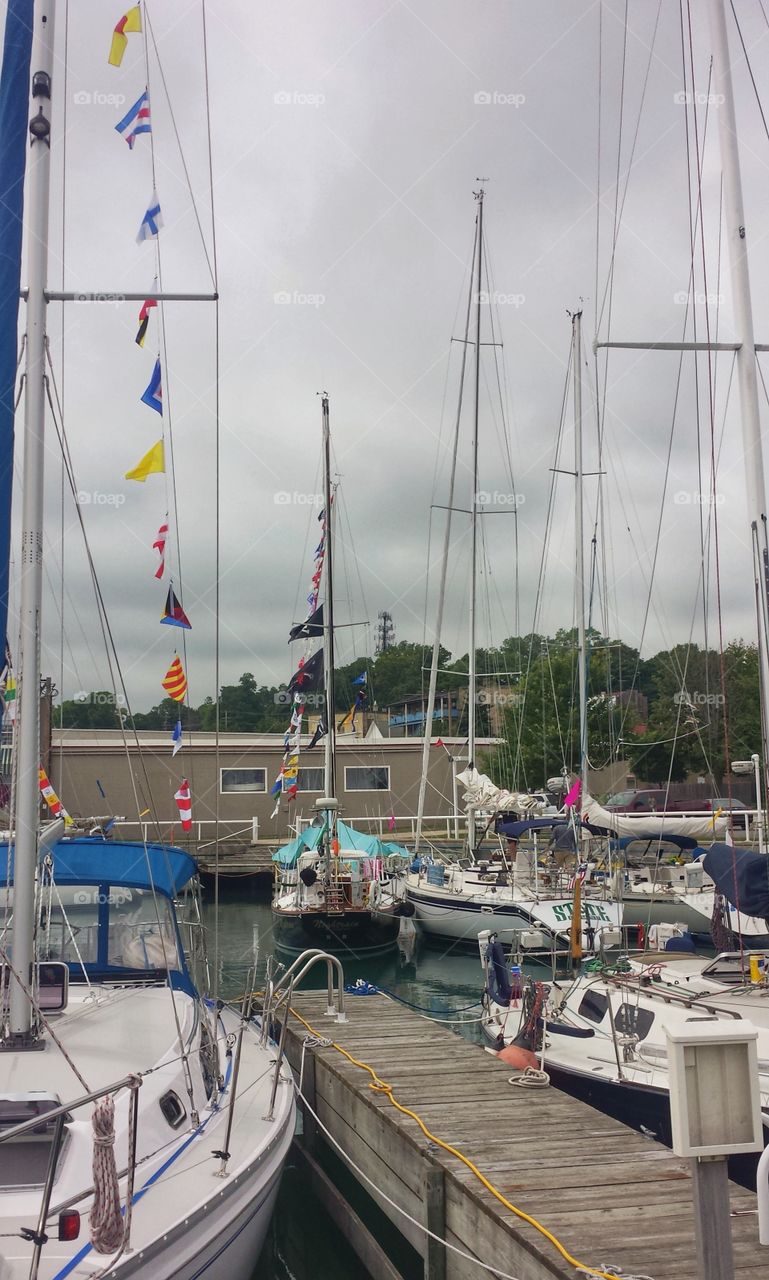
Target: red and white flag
[(159, 545), (184, 801)]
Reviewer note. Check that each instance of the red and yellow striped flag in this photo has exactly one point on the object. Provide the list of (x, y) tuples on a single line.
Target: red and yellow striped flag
[(175, 682)]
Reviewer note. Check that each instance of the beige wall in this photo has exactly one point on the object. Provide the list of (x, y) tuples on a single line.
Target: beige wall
[(134, 780)]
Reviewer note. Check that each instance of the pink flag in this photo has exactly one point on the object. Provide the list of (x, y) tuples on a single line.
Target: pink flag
[(573, 794), (391, 822), (159, 545), (184, 801)]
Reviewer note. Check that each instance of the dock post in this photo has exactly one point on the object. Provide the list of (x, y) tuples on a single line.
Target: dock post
[(712, 1218), (309, 1126), (434, 1197)]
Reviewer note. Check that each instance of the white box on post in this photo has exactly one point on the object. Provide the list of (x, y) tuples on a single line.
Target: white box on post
[(715, 1104)]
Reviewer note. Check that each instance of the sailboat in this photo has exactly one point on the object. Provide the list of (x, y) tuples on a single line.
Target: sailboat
[(337, 888), (143, 1127), (504, 893), (604, 1031)]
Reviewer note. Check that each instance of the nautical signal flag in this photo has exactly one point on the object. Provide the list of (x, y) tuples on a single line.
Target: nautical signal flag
[(159, 545), (153, 463), (310, 628), (362, 678), (309, 675), (130, 22), (173, 614), (151, 222), (176, 737), (153, 396), (184, 803), (175, 682), (144, 319), (51, 798), (136, 120)]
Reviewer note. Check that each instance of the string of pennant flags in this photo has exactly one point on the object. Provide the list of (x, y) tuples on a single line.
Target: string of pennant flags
[(308, 678), (136, 122)]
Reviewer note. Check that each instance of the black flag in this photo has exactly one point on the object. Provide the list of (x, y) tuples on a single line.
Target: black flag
[(308, 678), (320, 732), (311, 627)]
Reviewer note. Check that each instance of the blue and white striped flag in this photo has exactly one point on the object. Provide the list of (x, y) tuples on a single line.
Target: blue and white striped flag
[(176, 737), (151, 222), (136, 120)]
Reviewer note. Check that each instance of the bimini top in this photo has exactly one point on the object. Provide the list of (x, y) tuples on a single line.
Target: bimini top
[(93, 860), (742, 876), (350, 841)]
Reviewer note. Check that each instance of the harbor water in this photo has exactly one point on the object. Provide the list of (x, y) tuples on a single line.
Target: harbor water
[(443, 980)]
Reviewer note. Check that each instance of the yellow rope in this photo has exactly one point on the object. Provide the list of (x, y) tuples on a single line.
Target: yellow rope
[(379, 1086)]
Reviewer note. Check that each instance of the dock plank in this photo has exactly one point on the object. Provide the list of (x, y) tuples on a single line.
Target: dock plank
[(610, 1194)]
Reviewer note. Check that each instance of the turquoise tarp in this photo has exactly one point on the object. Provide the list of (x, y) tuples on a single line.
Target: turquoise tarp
[(349, 838)]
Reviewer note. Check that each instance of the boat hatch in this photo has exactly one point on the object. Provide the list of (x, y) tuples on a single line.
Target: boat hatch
[(594, 1006), (732, 966), (24, 1160)]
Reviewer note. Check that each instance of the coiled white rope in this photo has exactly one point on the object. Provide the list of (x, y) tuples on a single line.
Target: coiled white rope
[(530, 1078), (105, 1219)]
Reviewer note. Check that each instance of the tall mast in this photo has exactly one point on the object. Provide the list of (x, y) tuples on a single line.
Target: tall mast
[(746, 354), (576, 327), (328, 612), (442, 585), (471, 691), (28, 738)]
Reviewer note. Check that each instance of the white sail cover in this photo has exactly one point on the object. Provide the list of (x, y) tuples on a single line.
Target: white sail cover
[(653, 824), (481, 793)]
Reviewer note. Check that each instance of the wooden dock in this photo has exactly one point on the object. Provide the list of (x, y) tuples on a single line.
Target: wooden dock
[(616, 1200)]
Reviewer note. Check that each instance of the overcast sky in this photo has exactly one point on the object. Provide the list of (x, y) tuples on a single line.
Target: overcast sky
[(347, 142)]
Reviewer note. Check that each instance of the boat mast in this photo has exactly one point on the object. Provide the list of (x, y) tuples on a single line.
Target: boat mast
[(746, 352), (328, 625), (428, 728), (579, 585), (472, 675), (22, 1031)]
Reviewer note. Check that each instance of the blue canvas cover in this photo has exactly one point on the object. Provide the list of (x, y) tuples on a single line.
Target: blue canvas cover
[(92, 860), (14, 110), (514, 830), (742, 876)]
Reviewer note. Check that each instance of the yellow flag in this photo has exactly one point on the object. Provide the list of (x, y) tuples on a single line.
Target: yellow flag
[(153, 463), (131, 21)]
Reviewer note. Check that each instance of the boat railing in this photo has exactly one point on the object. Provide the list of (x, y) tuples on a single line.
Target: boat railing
[(59, 1116)]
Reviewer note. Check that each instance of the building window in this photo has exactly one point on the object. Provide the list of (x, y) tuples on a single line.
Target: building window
[(243, 780), (311, 780), (363, 779)]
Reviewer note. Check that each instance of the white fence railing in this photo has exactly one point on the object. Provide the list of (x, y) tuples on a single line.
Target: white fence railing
[(440, 826)]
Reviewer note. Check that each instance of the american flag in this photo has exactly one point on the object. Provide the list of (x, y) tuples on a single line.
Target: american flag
[(579, 874)]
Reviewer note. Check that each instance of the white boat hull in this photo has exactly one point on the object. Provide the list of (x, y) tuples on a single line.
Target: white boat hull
[(461, 917)]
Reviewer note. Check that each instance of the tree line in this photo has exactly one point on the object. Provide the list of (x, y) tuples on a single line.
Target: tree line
[(686, 709)]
